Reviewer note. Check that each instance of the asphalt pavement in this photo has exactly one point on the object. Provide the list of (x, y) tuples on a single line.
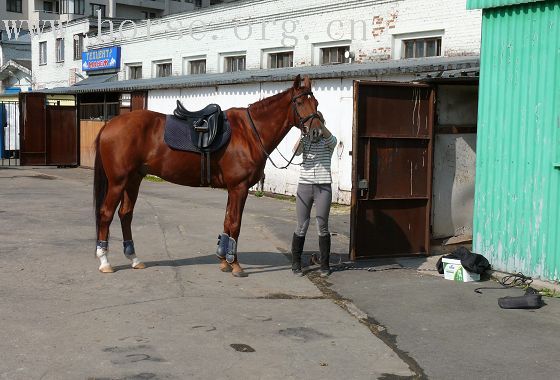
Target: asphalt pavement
[(182, 318)]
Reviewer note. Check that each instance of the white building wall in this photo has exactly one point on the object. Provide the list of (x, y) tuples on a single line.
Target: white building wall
[(317, 24), (57, 74), (304, 26), (335, 97)]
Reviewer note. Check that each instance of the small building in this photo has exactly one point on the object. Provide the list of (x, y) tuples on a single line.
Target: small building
[(517, 208)]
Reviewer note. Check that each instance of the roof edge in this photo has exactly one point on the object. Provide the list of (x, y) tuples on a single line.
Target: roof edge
[(485, 4), (392, 67)]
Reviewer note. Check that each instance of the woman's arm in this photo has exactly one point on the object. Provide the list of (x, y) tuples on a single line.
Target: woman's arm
[(329, 137), (298, 148)]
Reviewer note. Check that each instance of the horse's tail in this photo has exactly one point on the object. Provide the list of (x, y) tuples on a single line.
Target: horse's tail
[(100, 183)]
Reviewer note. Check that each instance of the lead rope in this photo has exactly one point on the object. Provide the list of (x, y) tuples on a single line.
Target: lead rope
[(254, 128), (341, 266)]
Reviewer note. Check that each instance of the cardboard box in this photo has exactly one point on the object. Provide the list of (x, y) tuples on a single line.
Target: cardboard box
[(453, 270)]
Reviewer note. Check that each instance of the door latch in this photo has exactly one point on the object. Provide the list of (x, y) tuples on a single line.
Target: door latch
[(363, 186)]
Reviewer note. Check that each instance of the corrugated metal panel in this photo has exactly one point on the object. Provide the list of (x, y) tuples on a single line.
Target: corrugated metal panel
[(517, 205), (407, 66), (482, 4)]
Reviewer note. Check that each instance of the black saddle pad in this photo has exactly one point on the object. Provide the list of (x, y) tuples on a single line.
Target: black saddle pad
[(178, 135)]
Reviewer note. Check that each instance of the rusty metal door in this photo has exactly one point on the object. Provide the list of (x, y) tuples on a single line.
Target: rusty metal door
[(139, 100), (62, 135), (33, 149), (392, 169)]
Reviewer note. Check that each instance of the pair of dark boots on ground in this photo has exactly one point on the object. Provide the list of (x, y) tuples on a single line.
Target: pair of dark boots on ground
[(324, 248)]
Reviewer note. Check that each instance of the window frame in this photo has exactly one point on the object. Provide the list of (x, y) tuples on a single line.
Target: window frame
[(193, 62), (232, 61), (59, 49), (424, 41), (78, 46), (101, 7), (42, 54), (14, 6), (329, 49), (158, 65), (135, 67), (276, 54)]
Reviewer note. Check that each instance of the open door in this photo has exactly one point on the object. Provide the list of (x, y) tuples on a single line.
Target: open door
[(392, 169), (33, 149)]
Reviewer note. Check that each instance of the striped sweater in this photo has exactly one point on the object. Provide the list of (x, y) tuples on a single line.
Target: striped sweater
[(316, 166)]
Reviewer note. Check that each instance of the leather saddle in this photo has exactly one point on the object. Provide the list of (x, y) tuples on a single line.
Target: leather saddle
[(204, 132), (204, 123)]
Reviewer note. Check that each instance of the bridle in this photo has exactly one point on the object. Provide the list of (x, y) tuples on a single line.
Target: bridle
[(300, 124), (303, 120)]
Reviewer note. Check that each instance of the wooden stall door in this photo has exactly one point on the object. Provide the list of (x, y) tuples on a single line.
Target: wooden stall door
[(62, 136), (139, 100), (33, 150), (392, 169)]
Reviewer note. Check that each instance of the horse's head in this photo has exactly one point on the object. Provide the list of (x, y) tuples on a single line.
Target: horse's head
[(306, 116)]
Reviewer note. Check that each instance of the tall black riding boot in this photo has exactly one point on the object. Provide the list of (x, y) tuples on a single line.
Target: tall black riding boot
[(325, 248), (297, 249)]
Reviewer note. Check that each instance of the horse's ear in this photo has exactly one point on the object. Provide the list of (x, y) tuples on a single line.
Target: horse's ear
[(297, 82), (306, 82)]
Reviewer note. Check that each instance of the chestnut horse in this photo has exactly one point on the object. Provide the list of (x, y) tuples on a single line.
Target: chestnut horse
[(132, 145)]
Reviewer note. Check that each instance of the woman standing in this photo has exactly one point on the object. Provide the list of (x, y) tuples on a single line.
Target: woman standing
[(314, 187)]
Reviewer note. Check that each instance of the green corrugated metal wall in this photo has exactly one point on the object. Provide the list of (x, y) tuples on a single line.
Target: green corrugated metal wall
[(517, 201)]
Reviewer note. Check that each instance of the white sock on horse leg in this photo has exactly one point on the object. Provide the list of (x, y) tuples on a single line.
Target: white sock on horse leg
[(135, 260), (102, 253)]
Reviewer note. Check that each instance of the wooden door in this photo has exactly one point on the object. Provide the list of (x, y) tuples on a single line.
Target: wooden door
[(392, 169)]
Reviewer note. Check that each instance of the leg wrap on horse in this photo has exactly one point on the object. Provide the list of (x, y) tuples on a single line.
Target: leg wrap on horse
[(129, 249), (130, 254), (227, 248), (102, 248)]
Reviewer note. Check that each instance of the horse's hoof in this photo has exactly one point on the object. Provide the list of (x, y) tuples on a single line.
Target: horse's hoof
[(239, 274), (226, 269), (139, 266), (106, 269)]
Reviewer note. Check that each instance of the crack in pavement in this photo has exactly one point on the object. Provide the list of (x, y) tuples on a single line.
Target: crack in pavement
[(178, 277)]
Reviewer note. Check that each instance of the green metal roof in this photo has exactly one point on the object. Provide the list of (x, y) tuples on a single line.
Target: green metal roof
[(483, 4)]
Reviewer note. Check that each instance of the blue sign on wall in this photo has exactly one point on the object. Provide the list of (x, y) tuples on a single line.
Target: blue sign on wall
[(102, 59)]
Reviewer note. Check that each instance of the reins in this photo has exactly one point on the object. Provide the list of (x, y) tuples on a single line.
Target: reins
[(301, 122)]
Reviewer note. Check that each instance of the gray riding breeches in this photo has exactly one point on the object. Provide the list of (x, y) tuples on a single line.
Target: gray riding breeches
[(306, 196)]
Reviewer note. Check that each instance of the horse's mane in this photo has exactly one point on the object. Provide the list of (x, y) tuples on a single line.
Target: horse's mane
[(264, 103)]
